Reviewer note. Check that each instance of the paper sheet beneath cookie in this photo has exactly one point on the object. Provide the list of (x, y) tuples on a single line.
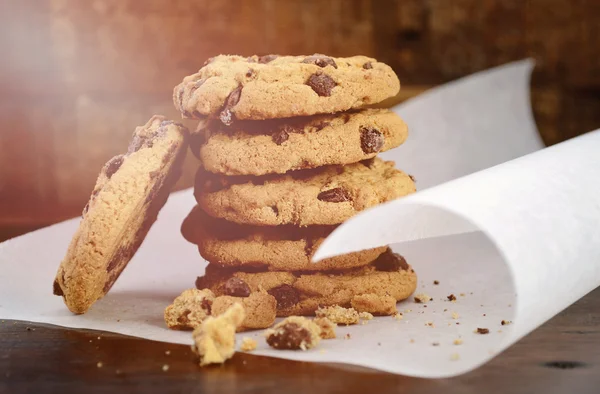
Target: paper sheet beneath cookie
[(516, 242)]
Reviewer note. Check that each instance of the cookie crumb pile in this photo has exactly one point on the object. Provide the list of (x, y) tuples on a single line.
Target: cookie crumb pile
[(288, 152)]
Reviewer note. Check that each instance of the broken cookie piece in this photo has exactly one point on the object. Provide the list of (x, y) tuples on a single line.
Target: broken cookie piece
[(327, 327), (338, 314), (190, 309), (293, 333), (373, 303), (214, 339), (260, 308), (248, 344)]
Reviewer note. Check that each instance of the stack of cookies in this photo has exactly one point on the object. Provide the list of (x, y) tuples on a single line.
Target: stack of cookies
[(287, 152)]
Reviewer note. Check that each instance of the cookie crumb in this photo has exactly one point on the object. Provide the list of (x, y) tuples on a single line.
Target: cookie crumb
[(189, 309), (422, 298), (505, 322), (327, 327), (167, 352), (365, 316), (338, 315), (452, 298), (398, 316), (407, 310), (462, 294), (98, 337), (99, 364), (436, 282), (458, 341), (435, 344), (248, 344), (294, 333), (347, 336), (214, 338), (430, 324), (455, 315), (454, 357), (482, 331), (412, 341), (165, 367)]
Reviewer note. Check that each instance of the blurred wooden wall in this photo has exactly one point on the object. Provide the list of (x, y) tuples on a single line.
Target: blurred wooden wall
[(76, 76)]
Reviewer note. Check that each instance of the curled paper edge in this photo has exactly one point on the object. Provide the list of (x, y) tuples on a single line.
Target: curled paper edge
[(549, 252)]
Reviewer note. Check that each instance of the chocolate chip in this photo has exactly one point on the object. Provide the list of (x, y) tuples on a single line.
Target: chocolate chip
[(371, 140), (334, 195), (267, 58), (290, 336), (451, 297), (285, 295), (280, 136), (389, 261), (236, 287), (368, 162), (113, 165), (368, 66), (206, 304), (226, 115), (322, 84), (483, 330), (56, 289), (249, 73), (320, 60)]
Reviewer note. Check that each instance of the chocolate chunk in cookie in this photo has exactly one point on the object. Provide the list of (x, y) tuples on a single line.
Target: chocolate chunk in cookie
[(237, 288), (322, 84), (294, 333), (371, 140)]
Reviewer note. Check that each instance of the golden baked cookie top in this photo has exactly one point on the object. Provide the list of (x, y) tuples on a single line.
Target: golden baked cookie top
[(267, 87)]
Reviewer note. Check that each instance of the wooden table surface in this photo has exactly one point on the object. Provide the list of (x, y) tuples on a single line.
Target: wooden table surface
[(562, 356)]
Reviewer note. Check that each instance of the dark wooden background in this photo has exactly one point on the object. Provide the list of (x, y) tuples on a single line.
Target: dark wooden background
[(76, 76)]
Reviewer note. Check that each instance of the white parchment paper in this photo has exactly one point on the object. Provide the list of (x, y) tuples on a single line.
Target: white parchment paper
[(516, 242)]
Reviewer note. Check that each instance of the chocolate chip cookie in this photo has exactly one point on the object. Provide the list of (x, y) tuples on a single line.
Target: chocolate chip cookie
[(301, 293), (129, 192), (267, 87), (281, 145), (323, 196), (281, 248)]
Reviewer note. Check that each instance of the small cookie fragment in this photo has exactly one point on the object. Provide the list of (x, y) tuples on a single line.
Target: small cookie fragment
[(377, 305), (327, 327), (338, 314), (260, 309), (189, 309), (293, 333), (214, 339), (482, 330), (248, 344), (451, 298), (458, 341), (505, 322), (422, 298), (365, 316)]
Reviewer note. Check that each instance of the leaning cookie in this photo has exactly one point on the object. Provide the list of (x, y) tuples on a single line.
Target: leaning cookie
[(282, 145), (281, 248), (129, 192), (267, 87), (302, 293), (324, 196)]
